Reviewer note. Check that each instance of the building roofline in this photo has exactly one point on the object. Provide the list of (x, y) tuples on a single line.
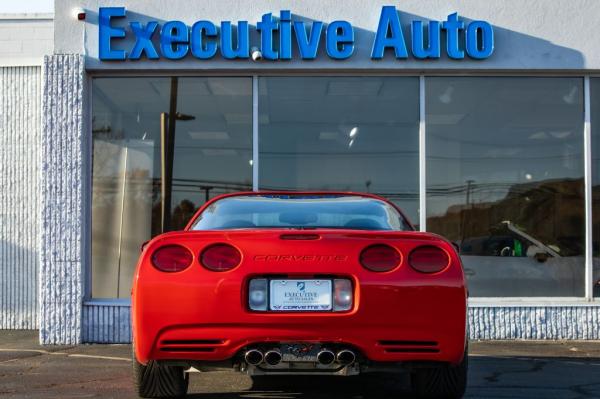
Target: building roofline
[(26, 16)]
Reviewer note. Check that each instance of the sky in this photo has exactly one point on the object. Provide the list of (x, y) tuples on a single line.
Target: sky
[(29, 6)]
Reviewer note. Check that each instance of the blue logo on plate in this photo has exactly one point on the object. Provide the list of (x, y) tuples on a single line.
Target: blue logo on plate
[(301, 285)]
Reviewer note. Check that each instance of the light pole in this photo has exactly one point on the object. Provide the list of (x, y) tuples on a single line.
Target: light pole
[(167, 149)]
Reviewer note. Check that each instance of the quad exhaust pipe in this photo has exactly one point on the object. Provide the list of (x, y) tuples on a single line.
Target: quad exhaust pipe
[(325, 357)]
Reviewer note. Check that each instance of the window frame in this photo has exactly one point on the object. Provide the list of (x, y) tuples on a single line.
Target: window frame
[(587, 300)]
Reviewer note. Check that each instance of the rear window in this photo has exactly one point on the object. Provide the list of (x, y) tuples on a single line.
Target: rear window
[(300, 212)]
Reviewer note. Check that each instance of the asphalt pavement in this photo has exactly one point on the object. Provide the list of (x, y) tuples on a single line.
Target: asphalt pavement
[(505, 369)]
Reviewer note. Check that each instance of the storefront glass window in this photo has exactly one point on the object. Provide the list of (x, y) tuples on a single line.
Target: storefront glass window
[(341, 133), (595, 119), (210, 120), (505, 181)]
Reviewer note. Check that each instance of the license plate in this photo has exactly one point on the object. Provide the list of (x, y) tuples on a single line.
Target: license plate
[(300, 295)]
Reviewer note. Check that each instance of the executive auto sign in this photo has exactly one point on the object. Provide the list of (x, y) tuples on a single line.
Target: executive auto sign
[(175, 40)]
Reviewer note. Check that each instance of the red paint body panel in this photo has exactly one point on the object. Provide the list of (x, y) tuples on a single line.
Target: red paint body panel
[(209, 309)]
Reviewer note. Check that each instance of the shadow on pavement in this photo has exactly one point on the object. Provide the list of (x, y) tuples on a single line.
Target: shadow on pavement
[(304, 387), (489, 377)]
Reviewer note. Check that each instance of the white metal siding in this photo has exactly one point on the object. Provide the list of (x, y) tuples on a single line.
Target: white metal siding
[(20, 103)]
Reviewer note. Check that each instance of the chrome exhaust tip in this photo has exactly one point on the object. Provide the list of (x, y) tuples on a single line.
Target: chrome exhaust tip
[(325, 357), (345, 357), (254, 357), (273, 357)]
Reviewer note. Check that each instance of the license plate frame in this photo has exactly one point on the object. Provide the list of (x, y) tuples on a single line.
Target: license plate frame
[(300, 295)]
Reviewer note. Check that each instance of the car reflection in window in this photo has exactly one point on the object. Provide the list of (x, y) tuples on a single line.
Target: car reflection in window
[(506, 239)]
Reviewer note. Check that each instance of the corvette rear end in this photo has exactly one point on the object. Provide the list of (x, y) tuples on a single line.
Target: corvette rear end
[(320, 291)]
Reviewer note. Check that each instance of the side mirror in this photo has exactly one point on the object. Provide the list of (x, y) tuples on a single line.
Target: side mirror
[(144, 245), (456, 246)]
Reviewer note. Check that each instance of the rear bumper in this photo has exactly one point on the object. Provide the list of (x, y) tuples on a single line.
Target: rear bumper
[(388, 324), (374, 343)]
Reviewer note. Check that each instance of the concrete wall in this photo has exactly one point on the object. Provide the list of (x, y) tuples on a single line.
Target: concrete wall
[(534, 322), (106, 323), (20, 122), (63, 194), (535, 34), (25, 38)]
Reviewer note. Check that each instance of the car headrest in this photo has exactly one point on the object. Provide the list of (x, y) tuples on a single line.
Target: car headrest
[(364, 223), (240, 224), (298, 218)]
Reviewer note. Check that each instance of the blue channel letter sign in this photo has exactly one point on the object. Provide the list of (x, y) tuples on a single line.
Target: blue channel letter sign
[(174, 40)]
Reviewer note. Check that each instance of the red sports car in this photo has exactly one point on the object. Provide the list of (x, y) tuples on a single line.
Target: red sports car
[(276, 283)]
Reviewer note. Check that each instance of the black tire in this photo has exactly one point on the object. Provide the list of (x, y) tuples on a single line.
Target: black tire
[(155, 380), (445, 382)]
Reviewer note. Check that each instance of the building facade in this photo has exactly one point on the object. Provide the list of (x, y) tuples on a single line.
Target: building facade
[(480, 119)]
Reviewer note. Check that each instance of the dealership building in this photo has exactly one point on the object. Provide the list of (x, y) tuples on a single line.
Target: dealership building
[(481, 120)]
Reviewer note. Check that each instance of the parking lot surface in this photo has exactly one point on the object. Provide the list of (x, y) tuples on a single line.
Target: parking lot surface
[(497, 370)]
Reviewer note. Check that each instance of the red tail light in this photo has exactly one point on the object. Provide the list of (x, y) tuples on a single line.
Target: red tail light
[(220, 257), (428, 259), (380, 258), (172, 258)]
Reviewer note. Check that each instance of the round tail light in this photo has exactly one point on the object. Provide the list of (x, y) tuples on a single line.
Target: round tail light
[(379, 258), (220, 257), (172, 258), (428, 259)]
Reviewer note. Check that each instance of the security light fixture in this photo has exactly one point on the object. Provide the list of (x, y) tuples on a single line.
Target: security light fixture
[(78, 13)]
